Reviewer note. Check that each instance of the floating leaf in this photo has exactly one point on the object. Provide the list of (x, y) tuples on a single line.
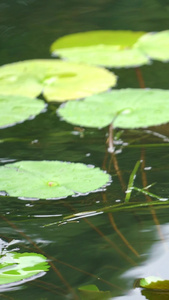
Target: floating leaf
[(20, 267), (103, 55), (15, 109), (155, 45), (91, 292), (154, 283), (57, 80), (50, 179), (155, 295), (105, 48), (124, 38), (127, 108)]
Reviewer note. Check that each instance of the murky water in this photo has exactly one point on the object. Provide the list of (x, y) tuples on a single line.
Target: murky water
[(107, 247)]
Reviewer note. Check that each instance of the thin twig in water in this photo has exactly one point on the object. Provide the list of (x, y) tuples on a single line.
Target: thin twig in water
[(148, 198), (112, 221), (118, 171)]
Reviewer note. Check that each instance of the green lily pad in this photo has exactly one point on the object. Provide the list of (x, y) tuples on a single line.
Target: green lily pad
[(124, 38), (21, 267), (155, 45), (16, 109), (127, 108), (103, 55), (57, 80), (50, 179), (154, 295), (154, 283), (105, 48), (91, 292)]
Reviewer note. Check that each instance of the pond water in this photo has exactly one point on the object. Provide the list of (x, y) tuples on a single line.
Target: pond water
[(109, 247)]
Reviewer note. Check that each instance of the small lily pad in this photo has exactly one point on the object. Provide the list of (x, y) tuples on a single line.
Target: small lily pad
[(21, 267), (105, 48), (154, 283), (16, 109), (57, 80), (155, 45), (50, 179), (126, 108)]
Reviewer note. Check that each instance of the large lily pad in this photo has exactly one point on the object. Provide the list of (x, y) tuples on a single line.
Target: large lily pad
[(127, 108), (155, 45), (20, 267), (50, 179), (15, 109), (106, 48), (57, 80)]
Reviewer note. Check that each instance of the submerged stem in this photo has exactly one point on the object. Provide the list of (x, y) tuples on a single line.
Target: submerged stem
[(111, 139), (140, 78), (131, 181)]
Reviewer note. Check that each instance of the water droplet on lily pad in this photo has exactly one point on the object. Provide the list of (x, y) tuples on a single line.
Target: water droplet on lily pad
[(129, 108), (50, 179), (57, 80)]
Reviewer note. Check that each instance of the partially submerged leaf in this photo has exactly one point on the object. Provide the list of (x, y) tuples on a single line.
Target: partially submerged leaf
[(155, 45), (50, 179), (90, 287), (57, 80), (155, 295), (106, 48), (21, 267), (16, 109), (126, 108), (91, 292), (154, 283)]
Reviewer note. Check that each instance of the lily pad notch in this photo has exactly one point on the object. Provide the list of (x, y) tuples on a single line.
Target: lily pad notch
[(57, 80), (126, 108), (51, 179)]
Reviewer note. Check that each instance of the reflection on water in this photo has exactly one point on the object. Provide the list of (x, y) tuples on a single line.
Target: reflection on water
[(108, 250), (157, 264)]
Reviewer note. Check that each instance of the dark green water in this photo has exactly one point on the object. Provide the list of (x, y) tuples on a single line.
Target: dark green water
[(109, 249)]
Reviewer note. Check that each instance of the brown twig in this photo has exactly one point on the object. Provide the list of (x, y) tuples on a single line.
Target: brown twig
[(110, 242), (112, 221), (118, 171)]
